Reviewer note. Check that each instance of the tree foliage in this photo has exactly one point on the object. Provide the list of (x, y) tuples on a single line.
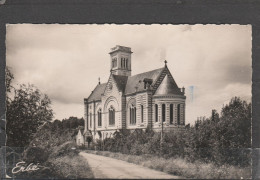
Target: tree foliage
[(8, 79), (26, 110), (53, 134)]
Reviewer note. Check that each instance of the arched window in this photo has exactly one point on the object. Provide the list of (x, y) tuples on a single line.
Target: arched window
[(179, 114), (156, 112), (99, 118), (163, 112), (142, 113), (171, 114), (90, 120), (111, 116), (132, 115)]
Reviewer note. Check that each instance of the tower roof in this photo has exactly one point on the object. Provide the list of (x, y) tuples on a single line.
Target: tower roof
[(121, 48), (168, 87)]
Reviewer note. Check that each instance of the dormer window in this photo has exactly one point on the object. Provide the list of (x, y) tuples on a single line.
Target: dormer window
[(147, 83)]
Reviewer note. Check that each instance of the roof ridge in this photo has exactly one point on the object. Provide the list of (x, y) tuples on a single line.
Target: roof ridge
[(159, 75), (148, 71)]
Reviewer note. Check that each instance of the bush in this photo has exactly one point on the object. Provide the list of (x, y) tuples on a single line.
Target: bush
[(35, 155), (64, 149), (71, 167)]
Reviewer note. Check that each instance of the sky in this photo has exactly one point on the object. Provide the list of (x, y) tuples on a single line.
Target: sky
[(212, 62)]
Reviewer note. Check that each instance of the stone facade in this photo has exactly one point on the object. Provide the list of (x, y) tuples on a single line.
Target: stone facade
[(134, 102)]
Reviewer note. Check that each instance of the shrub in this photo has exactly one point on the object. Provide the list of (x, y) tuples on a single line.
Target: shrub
[(35, 155), (71, 167), (64, 149)]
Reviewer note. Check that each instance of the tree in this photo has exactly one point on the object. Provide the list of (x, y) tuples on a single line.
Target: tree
[(26, 111), (236, 123), (8, 79), (232, 133), (214, 115)]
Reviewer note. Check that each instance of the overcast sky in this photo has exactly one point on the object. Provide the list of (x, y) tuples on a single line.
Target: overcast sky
[(65, 61)]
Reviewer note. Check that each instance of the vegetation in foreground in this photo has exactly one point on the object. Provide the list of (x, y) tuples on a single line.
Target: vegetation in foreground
[(32, 137), (55, 143), (220, 139), (62, 162), (181, 167), (219, 142)]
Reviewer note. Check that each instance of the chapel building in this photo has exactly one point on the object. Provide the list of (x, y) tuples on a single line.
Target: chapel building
[(150, 99)]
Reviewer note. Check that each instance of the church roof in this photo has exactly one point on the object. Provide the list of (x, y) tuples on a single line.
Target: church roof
[(96, 93), (121, 82), (135, 83), (168, 87)]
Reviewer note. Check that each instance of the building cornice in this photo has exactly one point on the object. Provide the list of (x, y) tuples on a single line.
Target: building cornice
[(89, 102)]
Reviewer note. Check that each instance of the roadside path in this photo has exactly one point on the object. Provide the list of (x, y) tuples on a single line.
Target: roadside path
[(105, 167)]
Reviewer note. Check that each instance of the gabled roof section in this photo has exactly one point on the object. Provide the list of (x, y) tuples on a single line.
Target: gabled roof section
[(96, 93), (168, 87), (135, 83), (121, 82)]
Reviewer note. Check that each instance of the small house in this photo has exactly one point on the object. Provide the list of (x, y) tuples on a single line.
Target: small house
[(80, 138)]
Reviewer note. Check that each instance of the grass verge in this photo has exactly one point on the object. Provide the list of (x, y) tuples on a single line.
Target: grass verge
[(72, 167), (181, 167), (58, 162)]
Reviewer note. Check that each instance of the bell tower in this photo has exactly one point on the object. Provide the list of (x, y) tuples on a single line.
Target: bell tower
[(121, 60)]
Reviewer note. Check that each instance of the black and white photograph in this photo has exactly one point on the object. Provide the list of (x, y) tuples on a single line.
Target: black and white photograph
[(109, 101)]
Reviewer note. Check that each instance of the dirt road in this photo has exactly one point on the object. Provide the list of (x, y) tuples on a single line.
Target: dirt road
[(105, 167)]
